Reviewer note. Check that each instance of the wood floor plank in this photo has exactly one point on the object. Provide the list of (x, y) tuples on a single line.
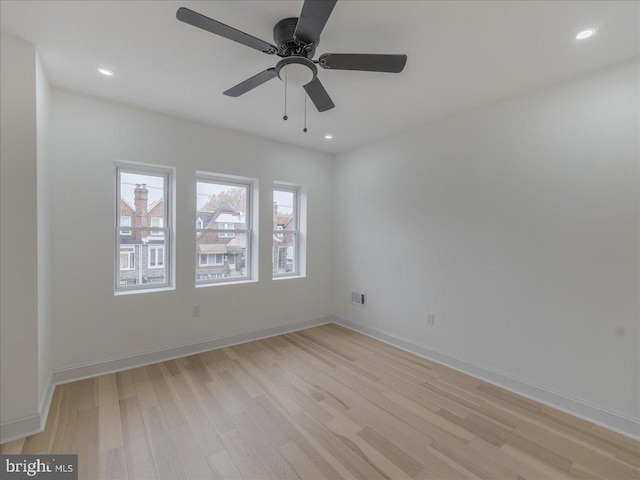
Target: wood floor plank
[(325, 403), (125, 384), (243, 457), (85, 443), (222, 467), (113, 465), (288, 426), (13, 448), (350, 459), (191, 456), (144, 388), (302, 465), (171, 412), (64, 431), (140, 464), (253, 408), (165, 456), (205, 432), (136, 445), (405, 462), (265, 450)]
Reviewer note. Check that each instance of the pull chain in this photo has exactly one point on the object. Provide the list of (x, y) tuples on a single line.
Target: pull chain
[(305, 111), (285, 94)]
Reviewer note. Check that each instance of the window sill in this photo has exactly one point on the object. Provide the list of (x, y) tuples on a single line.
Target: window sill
[(219, 284), (288, 277), (118, 293)]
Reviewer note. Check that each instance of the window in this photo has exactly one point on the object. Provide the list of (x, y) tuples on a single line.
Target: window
[(225, 226), (211, 259), (156, 256), (143, 237), (224, 252), (127, 258), (157, 223), (125, 221), (285, 251)]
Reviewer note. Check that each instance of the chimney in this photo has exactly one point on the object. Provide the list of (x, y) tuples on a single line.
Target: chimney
[(141, 217)]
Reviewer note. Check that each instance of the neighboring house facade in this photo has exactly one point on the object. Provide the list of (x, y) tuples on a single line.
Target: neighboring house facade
[(283, 245), (220, 254), (142, 253)]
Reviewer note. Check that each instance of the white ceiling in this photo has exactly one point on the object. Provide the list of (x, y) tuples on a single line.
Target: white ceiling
[(461, 55)]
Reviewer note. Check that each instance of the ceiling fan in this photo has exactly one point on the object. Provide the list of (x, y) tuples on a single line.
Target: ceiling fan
[(296, 41)]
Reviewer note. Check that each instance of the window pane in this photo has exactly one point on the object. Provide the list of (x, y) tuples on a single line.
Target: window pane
[(284, 253), (222, 254), (142, 259), (142, 199), (221, 204), (221, 258), (284, 210)]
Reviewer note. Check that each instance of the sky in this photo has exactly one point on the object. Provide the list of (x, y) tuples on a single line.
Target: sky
[(128, 181)]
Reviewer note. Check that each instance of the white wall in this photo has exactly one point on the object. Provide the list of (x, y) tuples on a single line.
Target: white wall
[(44, 231), (517, 225), (18, 232), (90, 324)]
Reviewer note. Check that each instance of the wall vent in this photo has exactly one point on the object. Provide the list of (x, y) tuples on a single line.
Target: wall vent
[(358, 298)]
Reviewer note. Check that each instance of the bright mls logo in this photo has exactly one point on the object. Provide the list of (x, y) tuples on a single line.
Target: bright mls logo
[(54, 467)]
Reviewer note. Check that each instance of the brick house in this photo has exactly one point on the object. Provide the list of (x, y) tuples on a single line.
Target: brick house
[(283, 245), (142, 253), (221, 254)]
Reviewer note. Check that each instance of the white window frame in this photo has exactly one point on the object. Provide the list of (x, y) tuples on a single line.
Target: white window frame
[(156, 248), (250, 230), (199, 223), (281, 232), (159, 221), (167, 230)]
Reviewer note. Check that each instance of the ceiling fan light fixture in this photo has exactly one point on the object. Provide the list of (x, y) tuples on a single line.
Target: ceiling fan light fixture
[(298, 74), (298, 71)]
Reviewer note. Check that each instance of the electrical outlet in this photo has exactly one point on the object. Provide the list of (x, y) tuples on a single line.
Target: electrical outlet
[(197, 310), (431, 319)]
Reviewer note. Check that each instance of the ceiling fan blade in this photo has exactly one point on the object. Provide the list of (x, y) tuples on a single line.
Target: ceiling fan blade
[(363, 62), (319, 95), (198, 20), (313, 18), (251, 83)]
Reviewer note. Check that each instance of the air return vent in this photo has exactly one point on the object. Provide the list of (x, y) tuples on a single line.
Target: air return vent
[(358, 298)]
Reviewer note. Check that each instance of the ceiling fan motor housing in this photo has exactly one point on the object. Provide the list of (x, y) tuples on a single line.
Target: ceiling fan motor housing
[(288, 45)]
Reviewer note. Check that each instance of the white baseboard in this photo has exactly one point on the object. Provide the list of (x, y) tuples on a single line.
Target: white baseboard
[(35, 423), (93, 369), (30, 424), (616, 421)]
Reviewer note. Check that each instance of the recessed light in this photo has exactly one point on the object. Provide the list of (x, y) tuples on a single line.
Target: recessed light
[(585, 33), (105, 71), (328, 136)]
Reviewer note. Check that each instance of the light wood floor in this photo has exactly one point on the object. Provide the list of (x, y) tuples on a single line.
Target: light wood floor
[(321, 403)]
